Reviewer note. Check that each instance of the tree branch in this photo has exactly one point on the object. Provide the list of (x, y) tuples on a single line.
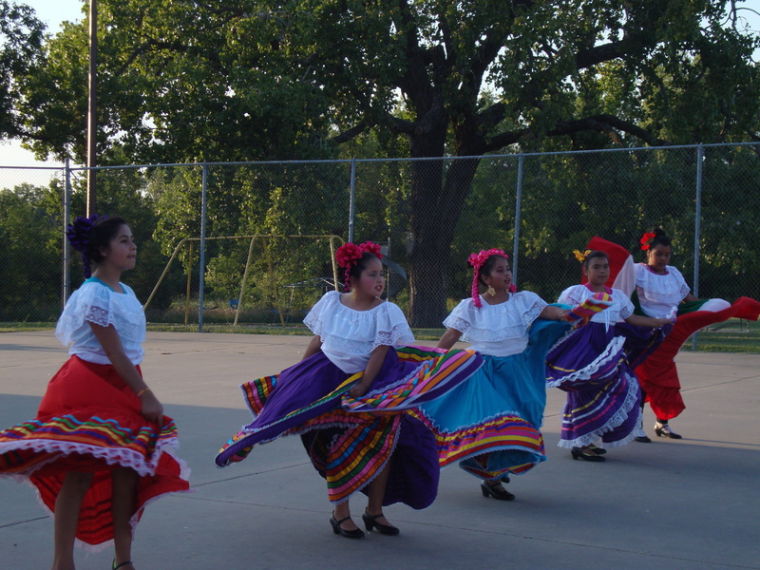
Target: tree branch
[(598, 123), (399, 125), (414, 81), (499, 141), (604, 123), (353, 132), (492, 115)]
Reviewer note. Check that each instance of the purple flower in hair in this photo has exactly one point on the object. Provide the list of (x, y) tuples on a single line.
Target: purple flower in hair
[(79, 235)]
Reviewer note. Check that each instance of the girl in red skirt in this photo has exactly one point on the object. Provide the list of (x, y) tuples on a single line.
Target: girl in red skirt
[(100, 447), (661, 291)]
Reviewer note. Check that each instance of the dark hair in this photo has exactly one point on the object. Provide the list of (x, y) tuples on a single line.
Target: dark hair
[(660, 238), (89, 235), (487, 267), (593, 255), (356, 269)]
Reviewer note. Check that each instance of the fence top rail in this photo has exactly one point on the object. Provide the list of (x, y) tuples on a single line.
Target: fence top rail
[(396, 159)]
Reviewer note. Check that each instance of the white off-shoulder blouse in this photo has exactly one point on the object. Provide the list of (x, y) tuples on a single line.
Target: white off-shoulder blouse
[(497, 330), (349, 336), (660, 295), (620, 309), (95, 302)]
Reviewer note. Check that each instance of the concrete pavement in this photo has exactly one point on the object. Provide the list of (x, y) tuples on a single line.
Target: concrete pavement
[(671, 504)]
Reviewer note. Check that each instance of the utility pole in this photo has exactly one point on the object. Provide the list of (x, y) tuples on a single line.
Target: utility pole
[(92, 124)]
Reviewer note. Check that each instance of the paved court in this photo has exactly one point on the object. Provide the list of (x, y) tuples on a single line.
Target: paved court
[(693, 504)]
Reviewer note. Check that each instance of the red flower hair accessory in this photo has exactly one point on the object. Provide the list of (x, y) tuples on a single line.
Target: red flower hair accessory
[(646, 240), (476, 261), (349, 255)]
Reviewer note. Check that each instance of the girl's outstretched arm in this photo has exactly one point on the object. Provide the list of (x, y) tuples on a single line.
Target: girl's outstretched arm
[(448, 339), (376, 360), (553, 313), (109, 339), (642, 321), (314, 346)]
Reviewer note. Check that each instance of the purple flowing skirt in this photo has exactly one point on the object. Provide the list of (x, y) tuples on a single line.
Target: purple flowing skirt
[(349, 440), (603, 397)]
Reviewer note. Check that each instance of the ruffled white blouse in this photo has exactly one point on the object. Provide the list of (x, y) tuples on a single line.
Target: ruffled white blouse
[(497, 330), (620, 309), (95, 302), (349, 336), (660, 295)]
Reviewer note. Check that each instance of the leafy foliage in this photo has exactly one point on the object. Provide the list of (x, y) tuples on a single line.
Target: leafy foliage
[(264, 79)]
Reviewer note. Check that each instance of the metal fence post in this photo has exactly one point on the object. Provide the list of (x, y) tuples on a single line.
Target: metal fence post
[(66, 277), (518, 207), (352, 201), (202, 247), (697, 227)]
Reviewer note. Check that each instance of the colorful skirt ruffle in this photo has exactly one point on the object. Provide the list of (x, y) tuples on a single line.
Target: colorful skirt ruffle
[(491, 423), (658, 374), (603, 396), (350, 440), (89, 421)]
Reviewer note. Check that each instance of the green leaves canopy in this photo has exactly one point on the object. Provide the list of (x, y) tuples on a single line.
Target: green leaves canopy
[(187, 80)]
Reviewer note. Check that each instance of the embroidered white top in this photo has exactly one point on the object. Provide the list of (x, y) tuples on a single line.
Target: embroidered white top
[(660, 295), (349, 336), (620, 309), (95, 302), (497, 330)]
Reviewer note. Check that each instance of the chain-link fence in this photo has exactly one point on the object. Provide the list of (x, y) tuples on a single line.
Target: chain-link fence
[(253, 242)]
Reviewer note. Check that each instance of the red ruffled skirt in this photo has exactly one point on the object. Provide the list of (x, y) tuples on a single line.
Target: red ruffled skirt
[(658, 375), (89, 421)]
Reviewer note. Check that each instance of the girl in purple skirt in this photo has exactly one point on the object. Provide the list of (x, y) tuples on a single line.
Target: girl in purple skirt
[(348, 399), (593, 365)]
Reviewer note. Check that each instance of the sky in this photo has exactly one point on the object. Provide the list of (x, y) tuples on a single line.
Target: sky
[(53, 12)]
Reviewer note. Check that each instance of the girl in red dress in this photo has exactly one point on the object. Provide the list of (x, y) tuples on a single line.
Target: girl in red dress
[(100, 447)]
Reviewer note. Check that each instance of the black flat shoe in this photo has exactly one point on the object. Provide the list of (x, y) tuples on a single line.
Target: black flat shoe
[(496, 491), (585, 454), (663, 430), (370, 522), (642, 439), (337, 529)]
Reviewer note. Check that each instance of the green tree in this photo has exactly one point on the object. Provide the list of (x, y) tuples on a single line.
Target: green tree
[(21, 38), (475, 77), (255, 79), (30, 259)]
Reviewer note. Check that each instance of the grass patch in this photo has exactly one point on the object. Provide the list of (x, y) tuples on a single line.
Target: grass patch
[(295, 329), (263, 328), (25, 327), (732, 336)]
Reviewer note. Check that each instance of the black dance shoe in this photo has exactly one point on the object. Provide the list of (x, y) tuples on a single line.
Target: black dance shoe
[(370, 522), (641, 435), (663, 430), (496, 491), (585, 454), (337, 529)]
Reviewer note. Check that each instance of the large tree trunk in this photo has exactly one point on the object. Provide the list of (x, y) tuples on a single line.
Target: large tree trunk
[(438, 194)]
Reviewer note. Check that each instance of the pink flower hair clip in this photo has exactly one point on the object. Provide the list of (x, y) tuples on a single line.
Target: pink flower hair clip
[(476, 261)]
